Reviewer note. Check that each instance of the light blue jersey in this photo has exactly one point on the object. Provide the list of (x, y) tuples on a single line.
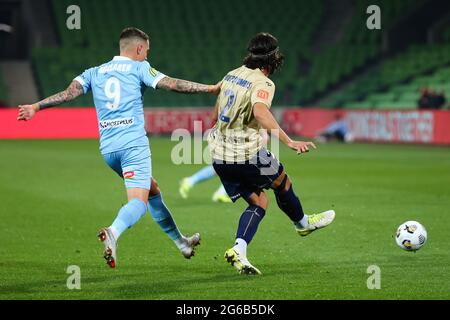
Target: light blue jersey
[(337, 127), (118, 87)]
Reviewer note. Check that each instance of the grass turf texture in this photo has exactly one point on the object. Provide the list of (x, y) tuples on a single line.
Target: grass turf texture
[(55, 195)]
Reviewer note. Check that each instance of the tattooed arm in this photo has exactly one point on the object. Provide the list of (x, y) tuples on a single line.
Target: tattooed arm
[(184, 86), (27, 112)]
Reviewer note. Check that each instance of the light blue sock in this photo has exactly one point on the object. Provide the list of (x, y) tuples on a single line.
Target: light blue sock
[(128, 216), (162, 216), (202, 175)]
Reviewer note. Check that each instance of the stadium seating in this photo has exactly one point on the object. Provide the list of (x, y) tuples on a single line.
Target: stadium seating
[(3, 92), (397, 82), (357, 47), (200, 45), (203, 44)]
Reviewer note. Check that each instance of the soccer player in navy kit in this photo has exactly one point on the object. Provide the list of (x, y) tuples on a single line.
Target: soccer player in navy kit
[(245, 167), (117, 87)]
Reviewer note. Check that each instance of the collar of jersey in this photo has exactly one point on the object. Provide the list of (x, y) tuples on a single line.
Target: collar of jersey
[(121, 58), (255, 70)]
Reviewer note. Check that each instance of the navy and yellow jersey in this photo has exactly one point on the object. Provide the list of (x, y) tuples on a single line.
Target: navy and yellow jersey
[(235, 137)]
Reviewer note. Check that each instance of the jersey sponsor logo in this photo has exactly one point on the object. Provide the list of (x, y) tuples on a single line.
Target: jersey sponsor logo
[(108, 124), (233, 137), (128, 174), (263, 94), (153, 72)]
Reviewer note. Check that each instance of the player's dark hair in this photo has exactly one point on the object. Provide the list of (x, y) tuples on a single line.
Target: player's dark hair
[(264, 53), (132, 32)]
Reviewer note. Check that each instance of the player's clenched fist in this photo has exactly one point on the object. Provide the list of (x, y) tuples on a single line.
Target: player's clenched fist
[(301, 146), (215, 89), (27, 112)]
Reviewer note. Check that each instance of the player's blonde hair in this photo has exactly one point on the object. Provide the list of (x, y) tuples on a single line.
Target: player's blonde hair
[(131, 34)]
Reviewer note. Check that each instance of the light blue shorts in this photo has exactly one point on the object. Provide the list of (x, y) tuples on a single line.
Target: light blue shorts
[(133, 165)]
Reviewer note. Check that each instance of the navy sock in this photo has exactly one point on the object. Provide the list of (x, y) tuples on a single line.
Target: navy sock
[(248, 224), (290, 204)]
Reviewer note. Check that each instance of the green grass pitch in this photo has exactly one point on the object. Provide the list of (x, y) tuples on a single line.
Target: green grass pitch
[(55, 195)]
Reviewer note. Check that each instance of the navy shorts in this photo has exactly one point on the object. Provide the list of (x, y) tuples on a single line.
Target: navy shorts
[(241, 179)]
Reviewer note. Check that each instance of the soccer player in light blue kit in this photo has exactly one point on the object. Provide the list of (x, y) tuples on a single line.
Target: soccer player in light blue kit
[(204, 174), (118, 87)]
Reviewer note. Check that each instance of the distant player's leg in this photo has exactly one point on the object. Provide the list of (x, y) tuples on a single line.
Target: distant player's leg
[(290, 204), (248, 225), (221, 195), (161, 215), (188, 183), (133, 165)]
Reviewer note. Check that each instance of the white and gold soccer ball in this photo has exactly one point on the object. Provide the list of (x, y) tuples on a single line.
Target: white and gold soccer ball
[(411, 236)]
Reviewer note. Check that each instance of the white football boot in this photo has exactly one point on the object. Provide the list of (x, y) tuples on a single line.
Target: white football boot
[(105, 235), (316, 221), (188, 247)]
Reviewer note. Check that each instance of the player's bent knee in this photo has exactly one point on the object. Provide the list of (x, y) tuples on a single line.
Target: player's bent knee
[(138, 193), (278, 181), (263, 201), (154, 188), (282, 183), (258, 200), (286, 185)]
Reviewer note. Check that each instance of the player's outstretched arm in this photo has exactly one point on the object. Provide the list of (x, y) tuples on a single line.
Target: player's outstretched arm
[(185, 86), (268, 122), (27, 112)]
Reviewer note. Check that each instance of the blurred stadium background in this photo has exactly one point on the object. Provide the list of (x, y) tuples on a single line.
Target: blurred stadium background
[(333, 61)]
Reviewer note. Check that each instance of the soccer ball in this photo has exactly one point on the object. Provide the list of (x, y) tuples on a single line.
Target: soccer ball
[(411, 236)]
